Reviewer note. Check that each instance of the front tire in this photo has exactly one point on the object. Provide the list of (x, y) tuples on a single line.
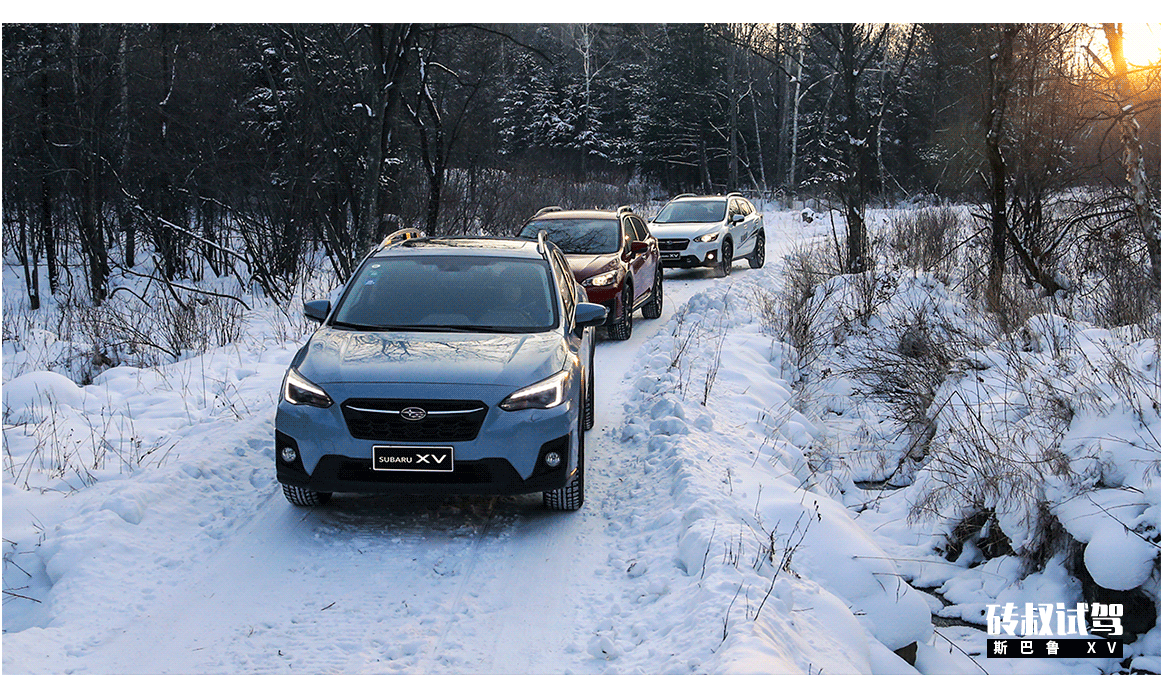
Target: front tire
[(572, 495), (727, 257), (624, 325), (759, 255), (653, 309), (301, 496)]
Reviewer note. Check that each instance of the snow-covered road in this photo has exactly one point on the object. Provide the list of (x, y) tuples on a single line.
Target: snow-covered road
[(690, 554), (171, 571), (375, 584)]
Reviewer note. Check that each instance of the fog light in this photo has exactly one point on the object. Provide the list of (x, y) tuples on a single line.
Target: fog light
[(711, 255), (289, 455), (552, 460)]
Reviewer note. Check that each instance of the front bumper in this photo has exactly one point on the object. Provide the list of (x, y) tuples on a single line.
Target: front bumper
[(609, 297), (506, 456), (696, 254)]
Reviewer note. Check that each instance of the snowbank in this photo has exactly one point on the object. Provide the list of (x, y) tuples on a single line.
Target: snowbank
[(1031, 469), (757, 541)]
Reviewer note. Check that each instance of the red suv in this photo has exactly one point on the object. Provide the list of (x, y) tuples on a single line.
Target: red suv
[(613, 255)]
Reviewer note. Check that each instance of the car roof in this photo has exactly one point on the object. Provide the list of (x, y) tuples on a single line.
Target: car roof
[(471, 246), (593, 214)]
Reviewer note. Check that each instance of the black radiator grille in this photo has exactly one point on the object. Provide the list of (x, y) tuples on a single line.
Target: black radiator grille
[(444, 421), (672, 244)]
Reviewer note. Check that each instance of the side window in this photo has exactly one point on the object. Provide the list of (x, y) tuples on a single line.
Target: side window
[(640, 231), (734, 207), (627, 229)]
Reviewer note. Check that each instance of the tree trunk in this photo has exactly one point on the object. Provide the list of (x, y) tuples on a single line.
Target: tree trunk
[(26, 253), (1146, 217), (783, 106), (758, 136), (92, 237), (733, 125), (88, 153), (853, 182), (704, 167), (48, 234), (124, 217), (1000, 71), (793, 188), (389, 45)]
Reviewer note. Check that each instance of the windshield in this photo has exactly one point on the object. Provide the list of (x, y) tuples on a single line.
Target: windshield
[(691, 211), (577, 235), (449, 293)]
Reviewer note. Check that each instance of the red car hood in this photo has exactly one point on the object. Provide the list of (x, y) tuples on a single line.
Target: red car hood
[(586, 265)]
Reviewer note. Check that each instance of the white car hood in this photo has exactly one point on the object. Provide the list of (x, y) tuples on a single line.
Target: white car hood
[(686, 230)]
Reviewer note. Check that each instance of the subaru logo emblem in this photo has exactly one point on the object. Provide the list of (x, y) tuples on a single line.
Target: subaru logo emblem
[(413, 414)]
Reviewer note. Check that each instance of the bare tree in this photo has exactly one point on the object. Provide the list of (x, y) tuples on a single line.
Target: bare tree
[(1146, 217)]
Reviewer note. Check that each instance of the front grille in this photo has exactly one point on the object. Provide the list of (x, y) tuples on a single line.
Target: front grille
[(379, 419), (672, 244)]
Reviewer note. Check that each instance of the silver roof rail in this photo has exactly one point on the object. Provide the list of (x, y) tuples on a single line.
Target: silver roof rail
[(401, 235), (625, 209), (542, 244), (685, 194), (735, 194), (547, 209)]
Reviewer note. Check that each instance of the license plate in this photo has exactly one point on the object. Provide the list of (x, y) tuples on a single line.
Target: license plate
[(411, 458)]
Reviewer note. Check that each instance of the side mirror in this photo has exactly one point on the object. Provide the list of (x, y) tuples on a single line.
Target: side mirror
[(317, 310), (738, 218), (588, 314), (639, 247)]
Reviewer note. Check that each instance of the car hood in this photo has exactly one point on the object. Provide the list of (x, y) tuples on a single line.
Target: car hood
[(344, 356), (688, 230), (586, 265)]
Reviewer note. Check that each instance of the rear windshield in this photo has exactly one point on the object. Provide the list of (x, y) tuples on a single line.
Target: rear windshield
[(449, 293), (577, 235), (708, 211)]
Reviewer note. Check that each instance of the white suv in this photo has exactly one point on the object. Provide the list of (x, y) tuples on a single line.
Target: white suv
[(709, 231)]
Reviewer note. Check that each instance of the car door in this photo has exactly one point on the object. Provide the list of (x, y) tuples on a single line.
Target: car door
[(643, 262), (754, 220), (654, 252), (737, 226)]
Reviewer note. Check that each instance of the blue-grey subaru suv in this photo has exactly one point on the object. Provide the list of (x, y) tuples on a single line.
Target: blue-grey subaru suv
[(447, 366)]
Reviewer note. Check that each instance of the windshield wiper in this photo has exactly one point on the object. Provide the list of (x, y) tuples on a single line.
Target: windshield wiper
[(353, 326)]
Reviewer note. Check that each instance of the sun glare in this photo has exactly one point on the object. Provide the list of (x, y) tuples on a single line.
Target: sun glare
[(1141, 43)]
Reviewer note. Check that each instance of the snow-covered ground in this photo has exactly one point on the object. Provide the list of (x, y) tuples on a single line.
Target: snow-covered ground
[(710, 541)]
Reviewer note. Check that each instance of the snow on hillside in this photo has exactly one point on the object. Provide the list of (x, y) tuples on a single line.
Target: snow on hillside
[(1026, 469)]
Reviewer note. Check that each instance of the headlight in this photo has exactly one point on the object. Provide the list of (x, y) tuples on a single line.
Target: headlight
[(604, 279), (547, 393), (298, 390), (708, 237)]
